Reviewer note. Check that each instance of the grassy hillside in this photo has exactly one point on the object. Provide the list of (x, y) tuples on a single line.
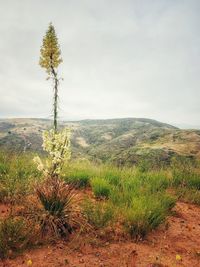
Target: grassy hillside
[(123, 141)]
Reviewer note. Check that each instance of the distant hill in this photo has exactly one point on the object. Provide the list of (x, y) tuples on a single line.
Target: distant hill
[(123, 141)]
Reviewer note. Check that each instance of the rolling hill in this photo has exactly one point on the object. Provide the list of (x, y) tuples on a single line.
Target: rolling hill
[(123, 141)]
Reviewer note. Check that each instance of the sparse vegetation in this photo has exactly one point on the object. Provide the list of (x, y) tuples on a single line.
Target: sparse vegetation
[(17, 176), (15, 234), (136, 199)]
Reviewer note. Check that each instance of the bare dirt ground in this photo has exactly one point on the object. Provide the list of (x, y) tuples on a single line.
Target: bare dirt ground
[(173, 245), (4, 210)]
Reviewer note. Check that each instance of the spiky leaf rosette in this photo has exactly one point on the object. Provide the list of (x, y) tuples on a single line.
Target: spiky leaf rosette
[(60, 213), (50, 51)]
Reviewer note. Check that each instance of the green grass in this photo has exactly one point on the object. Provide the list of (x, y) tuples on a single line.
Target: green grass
[(99, 214), (186, 178), (79, 173), (146, 213), (137, 198), (17, 175), (188, 195), (101, 187), (141, 195), (14, 236)]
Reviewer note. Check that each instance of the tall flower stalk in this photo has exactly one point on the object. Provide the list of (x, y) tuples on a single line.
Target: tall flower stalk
[(50, 59), (56, 143)]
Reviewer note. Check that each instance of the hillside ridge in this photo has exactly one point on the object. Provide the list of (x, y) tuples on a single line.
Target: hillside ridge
[(120, 140)]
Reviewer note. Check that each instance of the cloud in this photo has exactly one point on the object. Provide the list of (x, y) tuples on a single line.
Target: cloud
[(121, 59)]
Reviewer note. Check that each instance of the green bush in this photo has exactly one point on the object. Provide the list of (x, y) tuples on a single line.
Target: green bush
[(101, 187)]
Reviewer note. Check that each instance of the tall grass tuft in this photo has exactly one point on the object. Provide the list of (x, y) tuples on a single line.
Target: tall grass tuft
[(79, 173), (15, 235), (146, 213), (101, 187), (98, 214), (17, 176)]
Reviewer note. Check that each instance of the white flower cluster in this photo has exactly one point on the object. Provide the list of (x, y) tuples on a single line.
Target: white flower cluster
[(57, 145), (40, 166)]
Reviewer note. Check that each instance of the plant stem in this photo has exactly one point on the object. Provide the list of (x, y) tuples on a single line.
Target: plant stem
[(55, 102)]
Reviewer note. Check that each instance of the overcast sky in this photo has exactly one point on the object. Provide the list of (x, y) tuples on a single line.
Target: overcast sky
[(121, 58)]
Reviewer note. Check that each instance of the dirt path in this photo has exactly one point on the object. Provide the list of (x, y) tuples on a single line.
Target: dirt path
[(180, 237)]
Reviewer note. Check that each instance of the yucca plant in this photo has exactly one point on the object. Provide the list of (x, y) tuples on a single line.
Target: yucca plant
[(59, 214), (56, 142)]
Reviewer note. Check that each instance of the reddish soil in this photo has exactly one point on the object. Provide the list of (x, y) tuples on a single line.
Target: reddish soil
[(4, 210), (180, 236)]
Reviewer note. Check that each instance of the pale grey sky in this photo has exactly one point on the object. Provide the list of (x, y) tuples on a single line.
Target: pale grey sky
[(122, 58)]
